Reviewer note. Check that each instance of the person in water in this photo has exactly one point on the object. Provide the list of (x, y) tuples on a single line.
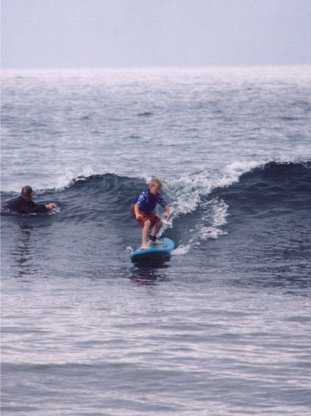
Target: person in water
[(142, 209), (25, 205)]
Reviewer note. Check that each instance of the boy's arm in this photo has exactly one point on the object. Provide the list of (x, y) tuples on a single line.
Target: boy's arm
[(164, 205), (167, 210), (137, 213)]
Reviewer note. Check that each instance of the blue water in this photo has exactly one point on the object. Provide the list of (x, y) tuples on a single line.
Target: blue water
[(224, 327)]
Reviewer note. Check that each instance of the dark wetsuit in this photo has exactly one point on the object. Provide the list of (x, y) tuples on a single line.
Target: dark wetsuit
[(22, 206)]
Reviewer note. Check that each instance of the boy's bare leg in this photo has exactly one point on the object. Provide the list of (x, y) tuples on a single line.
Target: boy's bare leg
[(155, 230), (144, 243)]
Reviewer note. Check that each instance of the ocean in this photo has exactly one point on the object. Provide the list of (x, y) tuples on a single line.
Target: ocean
[(223, 328)]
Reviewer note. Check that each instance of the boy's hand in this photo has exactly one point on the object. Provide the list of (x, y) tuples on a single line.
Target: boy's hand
[(138, 216)]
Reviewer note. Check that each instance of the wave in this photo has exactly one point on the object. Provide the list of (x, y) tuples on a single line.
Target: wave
[(271, 186), (202, 203), (206, 201)]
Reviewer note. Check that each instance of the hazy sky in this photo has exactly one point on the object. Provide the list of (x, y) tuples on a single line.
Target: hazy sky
[(114, 33)]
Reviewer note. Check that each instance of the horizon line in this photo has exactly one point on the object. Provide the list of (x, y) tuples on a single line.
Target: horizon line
[(154, 67)]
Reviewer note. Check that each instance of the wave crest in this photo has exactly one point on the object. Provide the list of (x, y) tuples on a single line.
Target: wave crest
[(201, 203)]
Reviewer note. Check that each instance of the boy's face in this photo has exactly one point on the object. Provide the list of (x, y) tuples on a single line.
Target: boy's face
[(154, 188)]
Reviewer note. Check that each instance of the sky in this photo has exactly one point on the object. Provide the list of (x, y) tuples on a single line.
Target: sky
[(154, 33)]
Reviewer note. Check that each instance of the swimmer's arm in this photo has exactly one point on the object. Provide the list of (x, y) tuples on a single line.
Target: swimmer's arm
[(50, 205), (37, 208)]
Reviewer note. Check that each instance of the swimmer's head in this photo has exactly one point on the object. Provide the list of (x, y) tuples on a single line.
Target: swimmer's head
[(27, 192)]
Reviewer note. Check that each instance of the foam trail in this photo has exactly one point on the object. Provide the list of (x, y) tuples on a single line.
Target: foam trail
[(187, 195), (187, 191)]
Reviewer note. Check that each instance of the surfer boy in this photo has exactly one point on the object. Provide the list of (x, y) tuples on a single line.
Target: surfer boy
[(142, 209)]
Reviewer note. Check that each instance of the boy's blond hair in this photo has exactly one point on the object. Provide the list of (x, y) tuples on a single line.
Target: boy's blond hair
[(155, 181)]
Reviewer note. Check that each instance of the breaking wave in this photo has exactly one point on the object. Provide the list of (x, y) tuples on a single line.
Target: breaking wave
[(202, 203)]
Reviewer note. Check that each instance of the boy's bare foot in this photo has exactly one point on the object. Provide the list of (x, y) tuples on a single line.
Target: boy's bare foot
[(143, 247)]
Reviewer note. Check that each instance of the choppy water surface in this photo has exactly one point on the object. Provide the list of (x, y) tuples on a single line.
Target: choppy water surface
[(224, 327)]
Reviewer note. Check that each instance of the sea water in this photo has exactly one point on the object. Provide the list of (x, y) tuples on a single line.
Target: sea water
[(224, 327)]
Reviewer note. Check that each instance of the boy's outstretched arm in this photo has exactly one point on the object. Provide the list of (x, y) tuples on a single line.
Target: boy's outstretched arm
[(167, 212)]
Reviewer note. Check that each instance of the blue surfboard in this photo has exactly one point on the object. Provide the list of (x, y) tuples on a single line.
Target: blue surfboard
[(155, 253)]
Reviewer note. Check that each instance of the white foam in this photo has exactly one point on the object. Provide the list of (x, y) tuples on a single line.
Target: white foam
[(129, 250), (181, 250), (213, 218), (186, 192), (209, 226), (69, 176)]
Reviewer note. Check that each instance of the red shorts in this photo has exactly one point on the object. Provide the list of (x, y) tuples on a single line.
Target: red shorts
[(145, 217)]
